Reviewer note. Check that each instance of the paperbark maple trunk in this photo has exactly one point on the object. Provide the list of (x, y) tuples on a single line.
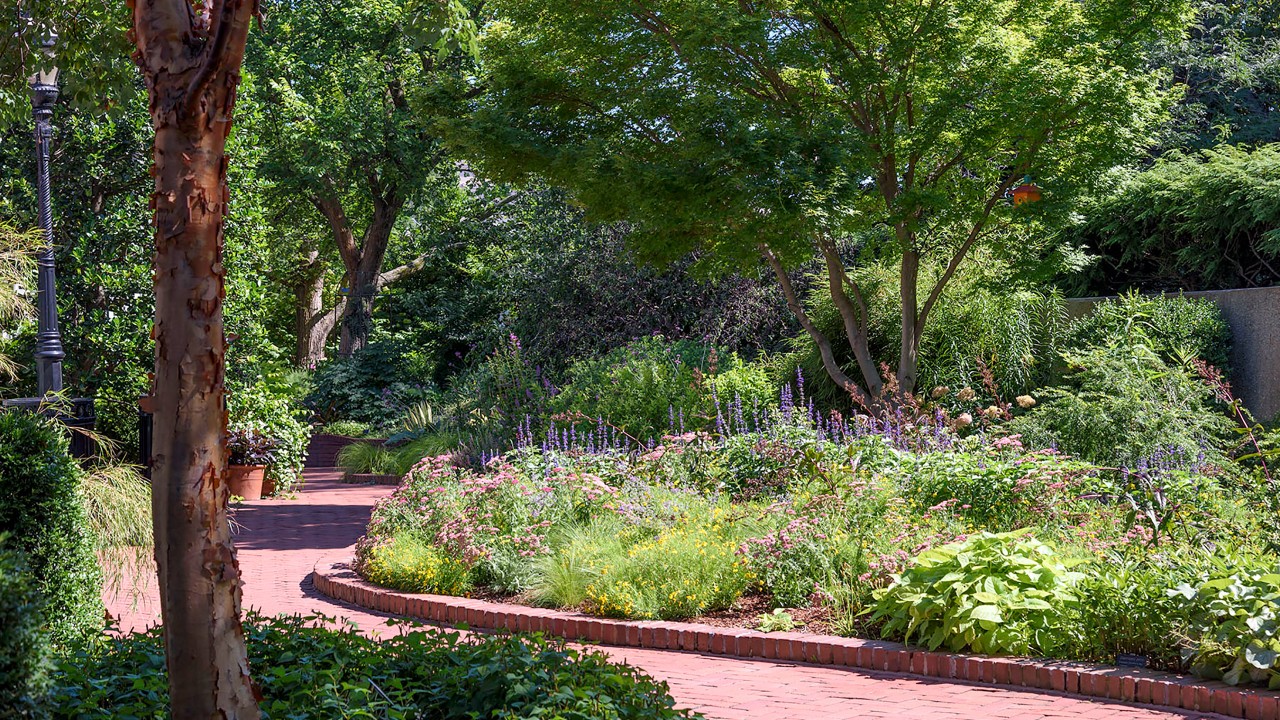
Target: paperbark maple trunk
[(190, 58)]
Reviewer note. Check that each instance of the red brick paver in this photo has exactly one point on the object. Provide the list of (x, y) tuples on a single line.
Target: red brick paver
[(279, 542)]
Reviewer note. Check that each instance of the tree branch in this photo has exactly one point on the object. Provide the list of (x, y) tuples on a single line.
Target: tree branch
[(824, 345), (855, 327), (331, 208), (418, 263)]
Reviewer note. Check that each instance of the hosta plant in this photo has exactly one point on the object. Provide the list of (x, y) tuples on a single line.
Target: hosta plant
[(1004, 593), (1238, 618)]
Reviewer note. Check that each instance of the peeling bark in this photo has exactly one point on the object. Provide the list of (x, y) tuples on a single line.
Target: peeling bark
[(190, 57)]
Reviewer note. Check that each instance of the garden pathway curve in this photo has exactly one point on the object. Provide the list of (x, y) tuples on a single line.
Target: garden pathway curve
[(279, 542)]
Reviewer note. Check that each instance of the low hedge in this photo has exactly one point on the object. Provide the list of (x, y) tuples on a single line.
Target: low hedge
[(24, 648), (40, 505)]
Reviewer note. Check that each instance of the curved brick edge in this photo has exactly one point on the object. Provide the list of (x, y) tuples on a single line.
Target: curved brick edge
[(334, 577)]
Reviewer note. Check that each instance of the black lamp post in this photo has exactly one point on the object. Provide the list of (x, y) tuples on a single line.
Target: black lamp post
[(49, 353), (78, 413)]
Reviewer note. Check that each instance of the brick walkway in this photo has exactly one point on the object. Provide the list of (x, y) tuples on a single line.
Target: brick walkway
[(279, 542)]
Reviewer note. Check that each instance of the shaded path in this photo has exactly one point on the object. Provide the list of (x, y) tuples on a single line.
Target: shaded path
[(279, 542)]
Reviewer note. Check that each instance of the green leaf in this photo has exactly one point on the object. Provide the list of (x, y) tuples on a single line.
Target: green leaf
[(990, 613)]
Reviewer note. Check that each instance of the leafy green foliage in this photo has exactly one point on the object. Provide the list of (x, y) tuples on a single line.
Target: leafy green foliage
[(784, 130), (649, 386), (348, 428), (24, 645), (1237, 614), (40, 504), (1001, 593), (1122, 402), (1227, 61), (997, 491), (92, 53), (1202, 221), (1174, 327), (1125, 608), (980, 321), (373, 386), (268, 407), (306, 669)]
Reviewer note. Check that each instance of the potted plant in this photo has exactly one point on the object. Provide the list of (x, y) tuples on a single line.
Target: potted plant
[(249, 454)]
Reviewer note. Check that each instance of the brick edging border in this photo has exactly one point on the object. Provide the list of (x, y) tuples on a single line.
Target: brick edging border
[(334, 577)]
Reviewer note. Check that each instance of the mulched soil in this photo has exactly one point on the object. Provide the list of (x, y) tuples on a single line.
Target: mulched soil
[(744, 614)]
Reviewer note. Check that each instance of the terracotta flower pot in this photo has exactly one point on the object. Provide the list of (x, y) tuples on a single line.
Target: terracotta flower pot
[(246, 480)]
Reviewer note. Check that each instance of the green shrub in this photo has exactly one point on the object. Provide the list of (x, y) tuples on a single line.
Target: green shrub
[(1120, 404), (268, 405), (1004, 593), (1125, 608), (375, 385), (348, 428), (409, 564), (998, 492), (1236, 613), (1174, 327), (24, 648), (305, 671), (40, 504), (650, 385), (1205, 221)]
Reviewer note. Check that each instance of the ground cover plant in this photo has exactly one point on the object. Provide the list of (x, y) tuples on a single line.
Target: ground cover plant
[(306, 668)]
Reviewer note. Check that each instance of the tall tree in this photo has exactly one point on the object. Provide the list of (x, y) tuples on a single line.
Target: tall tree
[(190, 53), (1229, 65), (335, 83), (91, 52), (845, 130)]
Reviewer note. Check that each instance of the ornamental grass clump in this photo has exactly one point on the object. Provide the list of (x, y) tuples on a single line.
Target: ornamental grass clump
[(1005, 593), (682, 572)]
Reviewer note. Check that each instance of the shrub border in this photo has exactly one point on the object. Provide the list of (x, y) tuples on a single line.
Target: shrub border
[(334, 577)]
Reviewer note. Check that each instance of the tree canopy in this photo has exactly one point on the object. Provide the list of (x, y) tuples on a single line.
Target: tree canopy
[(850, 130), (91, 53)]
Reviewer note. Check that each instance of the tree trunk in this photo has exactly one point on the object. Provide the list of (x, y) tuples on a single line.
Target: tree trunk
[(909, 358), (312, 324), (366, 276), (190, 60)]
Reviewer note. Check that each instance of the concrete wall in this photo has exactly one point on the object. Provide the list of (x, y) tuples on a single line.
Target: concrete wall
[(1254, 317)]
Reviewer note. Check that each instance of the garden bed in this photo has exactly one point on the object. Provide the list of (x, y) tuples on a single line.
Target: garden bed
[(334, 577), (902, 530)]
